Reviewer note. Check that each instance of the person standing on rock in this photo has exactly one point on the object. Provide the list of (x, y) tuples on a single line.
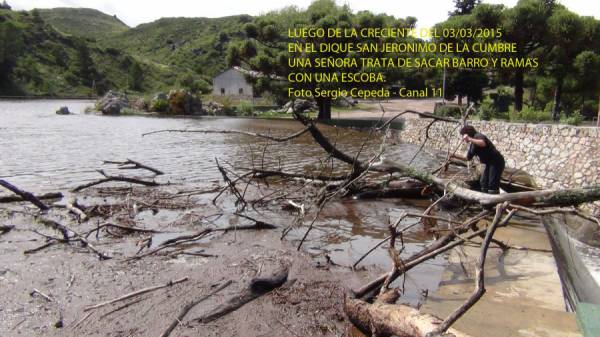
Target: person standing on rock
[(484, 149)]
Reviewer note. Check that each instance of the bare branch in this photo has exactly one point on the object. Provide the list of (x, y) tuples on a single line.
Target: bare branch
[(275, 139)]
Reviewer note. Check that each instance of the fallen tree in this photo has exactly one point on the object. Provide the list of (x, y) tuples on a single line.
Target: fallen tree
[(18, 198), (24, 195), (256, 288), (386, 319)]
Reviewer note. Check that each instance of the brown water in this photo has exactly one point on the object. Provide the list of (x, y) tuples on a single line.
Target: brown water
[(42, 152)]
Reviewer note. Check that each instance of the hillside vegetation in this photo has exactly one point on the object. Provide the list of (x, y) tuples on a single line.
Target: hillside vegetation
[(84, 22), (38, 60), (198, 45)]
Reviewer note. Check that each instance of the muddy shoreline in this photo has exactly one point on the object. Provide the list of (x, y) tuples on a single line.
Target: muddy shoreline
[(309, 304)]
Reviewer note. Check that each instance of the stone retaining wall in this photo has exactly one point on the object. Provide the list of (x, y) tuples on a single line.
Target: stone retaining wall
[(556, 156)]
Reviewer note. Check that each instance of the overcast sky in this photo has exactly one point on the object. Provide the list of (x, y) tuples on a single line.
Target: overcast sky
[(134, 12)]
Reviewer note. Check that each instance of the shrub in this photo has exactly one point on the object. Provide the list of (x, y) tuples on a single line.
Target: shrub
[(447, 110), (245, 109), (160, 105), (503, 98), (228, 108), (574, 119), (178, 100), (530, 115), (487, 109)]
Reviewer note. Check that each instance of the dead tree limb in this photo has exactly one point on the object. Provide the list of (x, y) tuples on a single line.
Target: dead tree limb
[(173, 242), (258, 225), (65, 231), (136, 293), (108, 178), (46, 297), (239, 198), (6, 228), (133, 165), (45, 196), (252, 134), (76, 209), (256, 288), (574, 196), (24, 194), (125, 228), (178, 320), (261, 174), (385, 319), (556, 210), (42, 247), (402, 231), (437, 247)]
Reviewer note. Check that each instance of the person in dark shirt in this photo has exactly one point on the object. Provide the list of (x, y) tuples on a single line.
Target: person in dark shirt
[(484, 149)]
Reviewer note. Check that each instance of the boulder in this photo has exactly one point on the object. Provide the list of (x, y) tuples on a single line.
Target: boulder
[(214, 108), (63, 111), (182, 102), (112, 103), (300, 105)]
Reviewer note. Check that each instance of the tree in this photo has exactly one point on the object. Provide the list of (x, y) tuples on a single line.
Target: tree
[(463, 7), (266, 49), (136, 76), (587, 65), (565, 31), (83, 67), (11, 40), (526, 26), (467, 83)]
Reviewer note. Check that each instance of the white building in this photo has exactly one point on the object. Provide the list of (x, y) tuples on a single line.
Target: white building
[(232, 82)]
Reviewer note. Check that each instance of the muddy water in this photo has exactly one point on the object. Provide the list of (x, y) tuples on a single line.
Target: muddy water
[(42, 151)]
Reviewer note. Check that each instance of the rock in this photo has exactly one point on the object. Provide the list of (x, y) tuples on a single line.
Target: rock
[(140, 105), (214, 108), (63, 111), (112, 103), (182, 102), (161, 96), (300, 105)]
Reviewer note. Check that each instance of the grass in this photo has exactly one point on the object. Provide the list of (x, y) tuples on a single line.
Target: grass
[(85, 22)]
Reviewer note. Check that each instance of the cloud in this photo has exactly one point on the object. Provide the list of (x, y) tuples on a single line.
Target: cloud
[(133, 12)]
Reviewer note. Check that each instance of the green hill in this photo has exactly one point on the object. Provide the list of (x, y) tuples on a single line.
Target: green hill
[(36, 59), (172, 52), (85, 22), (195, 44)]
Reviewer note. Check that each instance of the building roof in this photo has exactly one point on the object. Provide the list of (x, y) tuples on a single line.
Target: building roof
[(250, 73)]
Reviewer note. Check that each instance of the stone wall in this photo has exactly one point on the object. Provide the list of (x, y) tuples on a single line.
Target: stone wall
[(556, 156)]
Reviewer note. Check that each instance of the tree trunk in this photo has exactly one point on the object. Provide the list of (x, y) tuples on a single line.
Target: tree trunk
[(519, 74), (460, 100), (381, 319), (557, 97), (324, 105)]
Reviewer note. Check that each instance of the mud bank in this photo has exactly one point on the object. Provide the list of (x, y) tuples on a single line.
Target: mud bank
[(309, 303)]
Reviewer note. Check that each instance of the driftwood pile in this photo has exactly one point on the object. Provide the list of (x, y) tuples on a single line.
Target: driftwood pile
[(371, 307)]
